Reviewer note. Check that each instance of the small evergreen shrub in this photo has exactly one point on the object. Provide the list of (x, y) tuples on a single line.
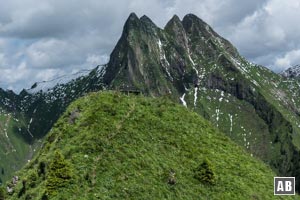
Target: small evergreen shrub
[(205, 173), (59, 174)]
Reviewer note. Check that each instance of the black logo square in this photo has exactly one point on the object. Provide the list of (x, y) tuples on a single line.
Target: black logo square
[(284, 185)]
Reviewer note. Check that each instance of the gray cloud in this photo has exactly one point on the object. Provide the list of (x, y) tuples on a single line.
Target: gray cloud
[(42, 39), (270, 34)]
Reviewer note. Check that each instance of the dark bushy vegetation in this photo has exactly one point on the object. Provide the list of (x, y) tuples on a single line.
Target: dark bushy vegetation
[(205, 173), (59, 174)]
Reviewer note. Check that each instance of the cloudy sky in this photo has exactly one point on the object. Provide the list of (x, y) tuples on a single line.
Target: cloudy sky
[(40, 40)]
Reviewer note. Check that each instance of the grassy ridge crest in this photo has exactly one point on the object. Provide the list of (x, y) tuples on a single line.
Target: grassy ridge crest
[(111, 146)]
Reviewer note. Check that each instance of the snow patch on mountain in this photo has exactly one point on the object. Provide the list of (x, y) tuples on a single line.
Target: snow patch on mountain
[(182, 100), (195, 96), (230, 118), (163, 60), (45, 86), (217, 117)]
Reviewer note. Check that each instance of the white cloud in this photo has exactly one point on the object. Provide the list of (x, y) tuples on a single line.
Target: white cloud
[(291, 58), (94, 60), (52, 53), (2, 60), (11, 76)]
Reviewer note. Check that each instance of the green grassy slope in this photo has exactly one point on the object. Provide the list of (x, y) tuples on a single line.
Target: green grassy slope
[(27, 117), (14, 151), (112, 146)]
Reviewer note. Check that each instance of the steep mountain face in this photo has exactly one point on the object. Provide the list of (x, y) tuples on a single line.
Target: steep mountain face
[(136, 60), (134, 147), (158, 61), (191, 64)]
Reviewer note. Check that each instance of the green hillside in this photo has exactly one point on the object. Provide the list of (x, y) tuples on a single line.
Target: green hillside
[(27, 117), (14, 151), (112, 146)]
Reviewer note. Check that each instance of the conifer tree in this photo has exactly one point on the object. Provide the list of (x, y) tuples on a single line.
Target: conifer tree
[(205, 173), (59, 174)]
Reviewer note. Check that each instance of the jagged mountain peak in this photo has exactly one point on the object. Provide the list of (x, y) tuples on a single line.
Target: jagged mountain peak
[(196, 26), (193, 17), (175, 28), (175, 17), (144, 50), (292, 72), (173, 21), (132, 17), (144, 24), (131, 23), (191, 20), (173, 24), (145, 20)]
